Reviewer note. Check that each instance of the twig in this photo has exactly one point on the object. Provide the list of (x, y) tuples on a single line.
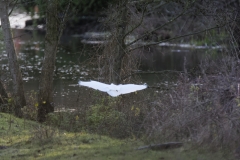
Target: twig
[(190, 34), (170, 21), (14, 5), (150, 72)]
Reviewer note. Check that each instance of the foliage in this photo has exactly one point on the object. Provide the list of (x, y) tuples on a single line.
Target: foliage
[(7, 107), (30, 110), (86, 6), (108, 116), (44, 134), (17, 143), (103, 118), (106, 119), (65, 120), (210, 38), (203, 110), (78, 7)]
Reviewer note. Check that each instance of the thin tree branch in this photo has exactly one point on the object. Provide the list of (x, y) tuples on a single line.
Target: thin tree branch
[(150, 72), (170, 21), (190, 34), (141, 20), (63, 22), (13, 8)]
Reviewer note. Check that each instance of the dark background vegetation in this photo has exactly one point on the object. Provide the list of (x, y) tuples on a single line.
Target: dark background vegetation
[(199, 105)]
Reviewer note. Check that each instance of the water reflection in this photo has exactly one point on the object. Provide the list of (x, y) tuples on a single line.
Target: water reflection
[(29, 47), (70, 67)]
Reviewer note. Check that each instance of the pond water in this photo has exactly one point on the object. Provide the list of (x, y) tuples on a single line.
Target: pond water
[(73, 52)]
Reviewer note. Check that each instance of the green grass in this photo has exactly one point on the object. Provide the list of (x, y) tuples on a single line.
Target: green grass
[(30, 140)]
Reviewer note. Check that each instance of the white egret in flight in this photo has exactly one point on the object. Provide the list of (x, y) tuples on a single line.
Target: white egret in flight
[(112, 89)]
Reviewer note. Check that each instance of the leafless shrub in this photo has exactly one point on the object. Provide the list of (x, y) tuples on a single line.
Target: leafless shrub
[(115, 50), (43, 134), (204, 110)]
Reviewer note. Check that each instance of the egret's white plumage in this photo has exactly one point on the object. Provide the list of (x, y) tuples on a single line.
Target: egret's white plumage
[(112, 89)]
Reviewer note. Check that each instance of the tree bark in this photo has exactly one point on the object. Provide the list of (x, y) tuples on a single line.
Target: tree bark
[(18, 91), (3, 99), (45, 97), (237, 26)]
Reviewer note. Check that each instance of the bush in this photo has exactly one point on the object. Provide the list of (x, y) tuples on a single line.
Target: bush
[(44, 134), (31, 109), (204, 110), (65, 120), (104, 118)]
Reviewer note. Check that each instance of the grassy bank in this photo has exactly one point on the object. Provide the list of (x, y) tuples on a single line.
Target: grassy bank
[(22, 139)]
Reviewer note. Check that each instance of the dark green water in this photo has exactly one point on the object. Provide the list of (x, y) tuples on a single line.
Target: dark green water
[(70, 66)]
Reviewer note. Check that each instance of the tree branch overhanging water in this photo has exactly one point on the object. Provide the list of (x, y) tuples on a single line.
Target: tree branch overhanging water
[(186, 35)]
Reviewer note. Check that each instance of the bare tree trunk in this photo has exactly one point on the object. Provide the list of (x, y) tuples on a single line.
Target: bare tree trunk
[(237, 26), (120, 49), (3, 99), (18, 92), (54, 31), (45, 97)]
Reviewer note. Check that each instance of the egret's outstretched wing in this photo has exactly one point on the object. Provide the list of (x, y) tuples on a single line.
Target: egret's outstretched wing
[(113, 90), (95, 85), (113, 93), (128, 88)]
